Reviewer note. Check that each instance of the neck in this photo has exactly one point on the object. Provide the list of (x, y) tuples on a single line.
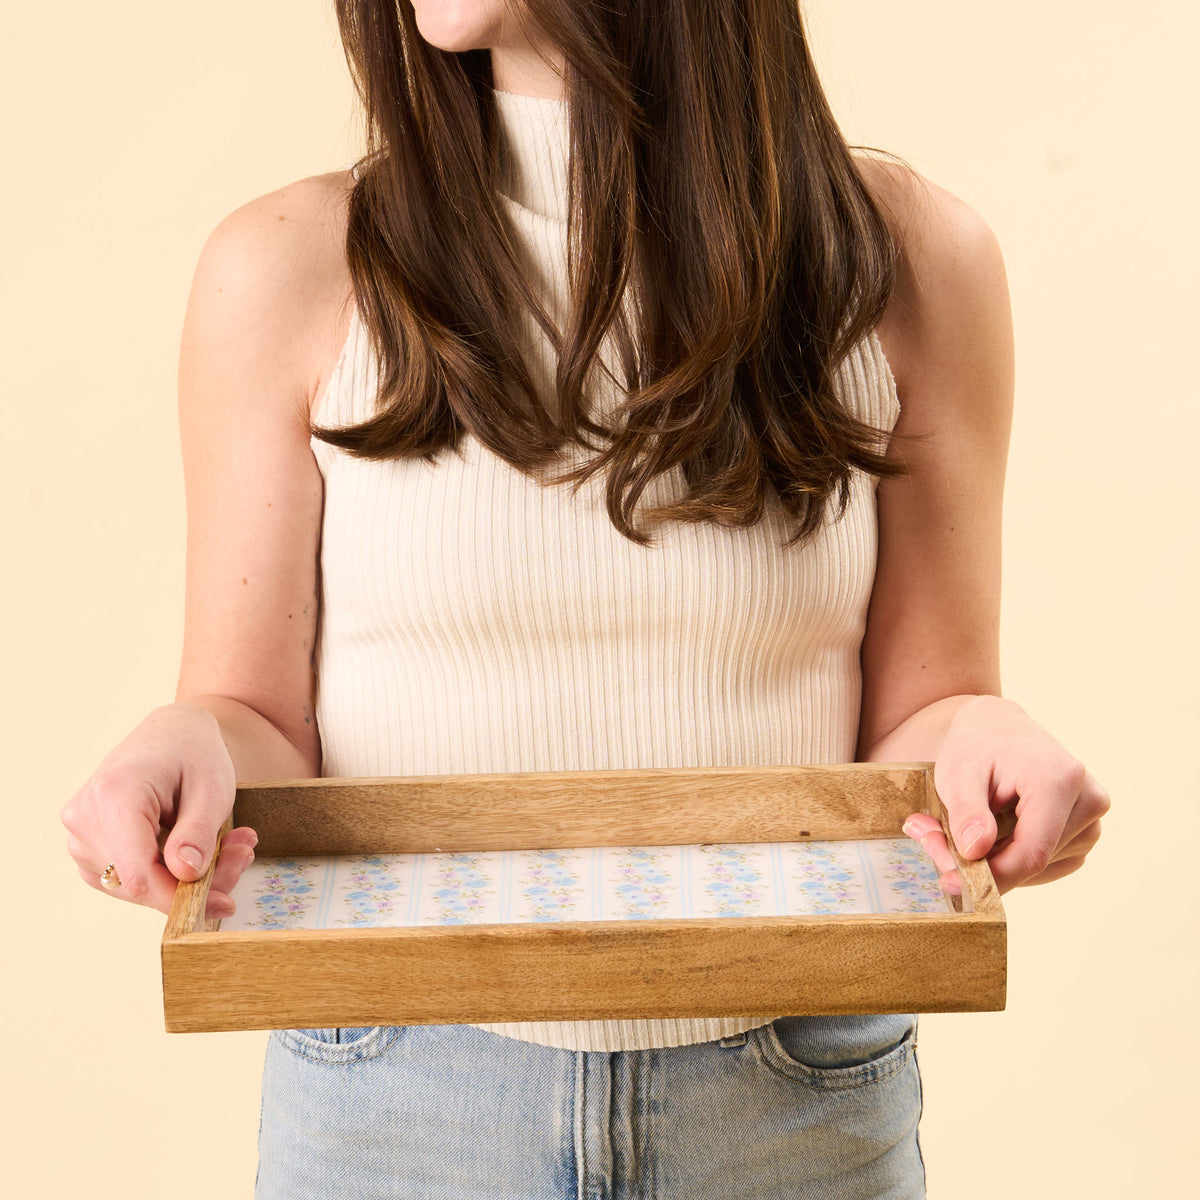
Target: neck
[(531, 68)]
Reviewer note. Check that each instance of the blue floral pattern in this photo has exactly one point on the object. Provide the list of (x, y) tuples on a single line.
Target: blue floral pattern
[(284, 895), (460, 888), (643, 887), (372, 890), (911, 877), (597, 883), (732, 880), (825, 880), (550, 885)]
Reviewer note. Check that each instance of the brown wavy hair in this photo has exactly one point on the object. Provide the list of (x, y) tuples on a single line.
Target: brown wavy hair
[(708, 180)]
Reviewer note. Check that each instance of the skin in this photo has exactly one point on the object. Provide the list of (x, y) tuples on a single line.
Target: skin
[(266, 319), (524, 60)]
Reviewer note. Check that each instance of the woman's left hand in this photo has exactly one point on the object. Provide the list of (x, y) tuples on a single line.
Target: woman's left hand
[(997, 761)]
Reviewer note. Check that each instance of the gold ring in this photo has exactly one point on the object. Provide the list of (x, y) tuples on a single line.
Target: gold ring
[(110, 879)]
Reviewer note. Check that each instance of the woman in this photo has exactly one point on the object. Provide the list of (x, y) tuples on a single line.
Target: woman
[(611, 414)]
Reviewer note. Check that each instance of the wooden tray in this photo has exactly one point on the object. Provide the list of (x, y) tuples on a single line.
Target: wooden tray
[(584, 970)]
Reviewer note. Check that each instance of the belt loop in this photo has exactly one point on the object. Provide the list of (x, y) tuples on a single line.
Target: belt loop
[(736, 1039)]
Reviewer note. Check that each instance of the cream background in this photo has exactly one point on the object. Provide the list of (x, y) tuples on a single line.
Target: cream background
[(131, 128)]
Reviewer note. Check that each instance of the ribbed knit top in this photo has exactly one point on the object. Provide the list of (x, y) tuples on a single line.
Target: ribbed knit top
[(474, 620)]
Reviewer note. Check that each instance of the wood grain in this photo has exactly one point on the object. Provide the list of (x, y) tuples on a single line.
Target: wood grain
[(585, 970), (191, 899), (580, 970), (544, 811)]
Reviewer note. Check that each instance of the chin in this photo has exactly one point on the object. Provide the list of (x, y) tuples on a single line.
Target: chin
[(457, 25)]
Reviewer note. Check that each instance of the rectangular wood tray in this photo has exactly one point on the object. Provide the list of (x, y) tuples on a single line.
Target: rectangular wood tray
[(584, 970)]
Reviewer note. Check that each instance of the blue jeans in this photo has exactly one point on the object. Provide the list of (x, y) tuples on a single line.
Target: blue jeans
[(806, 1108)]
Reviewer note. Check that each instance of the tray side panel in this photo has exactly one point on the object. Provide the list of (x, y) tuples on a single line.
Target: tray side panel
[(602, 808), (767, 966)]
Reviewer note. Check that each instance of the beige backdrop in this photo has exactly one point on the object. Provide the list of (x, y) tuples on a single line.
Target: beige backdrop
[(132, 127)]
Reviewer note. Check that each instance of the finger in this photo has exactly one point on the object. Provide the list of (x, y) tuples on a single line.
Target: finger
[(235, 855), (1081, 844), (88, 860), (231, 865), (145, 883), (94, 878), (1067, 860), (1078, 838), (114, 819), (951, 883), (1058, 869), (81, 852), (927, 830), (1041, 818), (965, 788), (219, 905), (132, 848), (106, 879), (1091, 804), (242, 834), (204, 803), (241, 838)]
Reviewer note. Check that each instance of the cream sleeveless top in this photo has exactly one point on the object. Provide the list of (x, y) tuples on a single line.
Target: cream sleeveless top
[(474, 620)]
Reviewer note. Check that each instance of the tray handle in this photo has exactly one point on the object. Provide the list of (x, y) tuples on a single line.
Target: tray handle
[(187, 909)]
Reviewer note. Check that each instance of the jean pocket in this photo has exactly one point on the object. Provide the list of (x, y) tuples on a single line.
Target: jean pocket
[(339, 1045), (837, 1052)]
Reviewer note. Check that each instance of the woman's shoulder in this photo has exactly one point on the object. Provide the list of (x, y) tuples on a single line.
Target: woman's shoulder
[(273, 273), (951, 288), (296, 211)]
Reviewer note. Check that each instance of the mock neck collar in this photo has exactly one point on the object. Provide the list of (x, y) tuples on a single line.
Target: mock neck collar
[(535, 159)]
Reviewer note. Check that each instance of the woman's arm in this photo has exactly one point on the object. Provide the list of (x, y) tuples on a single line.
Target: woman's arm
[(247, 377), (930, 656), (261, 320)]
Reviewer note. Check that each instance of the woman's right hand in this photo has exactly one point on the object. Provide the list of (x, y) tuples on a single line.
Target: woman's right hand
[(154, 809)]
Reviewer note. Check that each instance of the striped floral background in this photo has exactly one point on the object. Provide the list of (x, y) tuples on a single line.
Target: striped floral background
[(890, 875)]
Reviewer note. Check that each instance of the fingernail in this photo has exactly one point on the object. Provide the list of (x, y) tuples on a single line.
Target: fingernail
[(192, 857), (221, 909), (910, 827), (971, 834), (254, 841)]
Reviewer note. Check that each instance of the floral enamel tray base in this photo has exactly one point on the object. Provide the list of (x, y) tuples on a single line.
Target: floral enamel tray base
[(602, 883)]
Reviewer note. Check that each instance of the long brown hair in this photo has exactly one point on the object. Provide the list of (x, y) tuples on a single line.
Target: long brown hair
[(708, 179)]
